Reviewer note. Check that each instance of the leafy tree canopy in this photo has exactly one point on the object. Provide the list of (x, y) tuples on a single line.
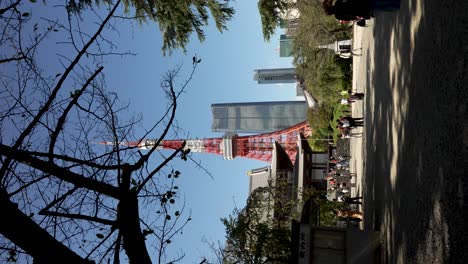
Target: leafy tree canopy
[(315, 28), (252, 236), (319, 117), (270, 11), (261, 231), (177, 20)]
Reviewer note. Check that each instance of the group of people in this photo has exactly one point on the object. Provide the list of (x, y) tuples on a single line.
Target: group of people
[(339, 176), (346, 123), (339, 180)]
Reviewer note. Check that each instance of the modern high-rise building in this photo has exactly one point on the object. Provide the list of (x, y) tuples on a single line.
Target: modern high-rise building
[(286, 46), (280, 75), (257, 117)]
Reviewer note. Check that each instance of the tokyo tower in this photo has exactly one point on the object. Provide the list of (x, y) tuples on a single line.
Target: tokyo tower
[(231, 145)]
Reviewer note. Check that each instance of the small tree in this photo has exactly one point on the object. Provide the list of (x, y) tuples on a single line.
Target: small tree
[(253, 235), (261, 231)]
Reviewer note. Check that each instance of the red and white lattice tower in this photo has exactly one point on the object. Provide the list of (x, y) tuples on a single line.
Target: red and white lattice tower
[(230, 146)]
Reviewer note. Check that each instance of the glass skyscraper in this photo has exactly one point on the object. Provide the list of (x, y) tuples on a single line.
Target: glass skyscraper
[(257, 117), (279, 75), (286, 46)]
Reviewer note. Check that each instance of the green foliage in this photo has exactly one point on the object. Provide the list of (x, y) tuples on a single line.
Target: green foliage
[(255, 242), (270, 11), (76, 6), (327, 215), (177, 20), (317, 141), (346, 69), (326, 84), (315, 28), (319, 117), (253, 235), (324, 74), (326, 80), (260, 233)]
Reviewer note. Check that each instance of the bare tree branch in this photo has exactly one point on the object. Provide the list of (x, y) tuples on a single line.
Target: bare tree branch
[(13, 5), (79, 216), (58, 86), (59, 172), (61, 120), (162, 165), (13, 59)]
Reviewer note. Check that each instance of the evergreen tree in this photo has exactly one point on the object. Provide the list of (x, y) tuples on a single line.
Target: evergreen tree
[(177, 20), (270, 11)]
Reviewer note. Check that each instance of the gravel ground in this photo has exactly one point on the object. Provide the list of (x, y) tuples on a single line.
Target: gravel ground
[(414, 71)]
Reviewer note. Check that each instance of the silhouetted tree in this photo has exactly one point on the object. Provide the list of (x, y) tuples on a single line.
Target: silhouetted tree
[(63, 197)]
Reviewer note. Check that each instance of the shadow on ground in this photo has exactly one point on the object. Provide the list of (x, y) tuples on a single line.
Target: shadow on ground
[(416, 146)]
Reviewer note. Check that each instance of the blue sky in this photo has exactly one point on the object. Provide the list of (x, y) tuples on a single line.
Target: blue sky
[(224, 75)]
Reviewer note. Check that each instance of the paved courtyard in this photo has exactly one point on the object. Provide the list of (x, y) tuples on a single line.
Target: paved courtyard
[(412, 161)]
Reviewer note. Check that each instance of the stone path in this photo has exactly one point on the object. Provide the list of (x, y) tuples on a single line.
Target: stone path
[(413, 158)]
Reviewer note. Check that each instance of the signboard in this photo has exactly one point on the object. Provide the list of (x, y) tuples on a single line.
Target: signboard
[(304, 244)]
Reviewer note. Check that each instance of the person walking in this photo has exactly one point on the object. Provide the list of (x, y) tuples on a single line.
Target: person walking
[(345, 174), (346, 101), (357, 96), (347, 10), (353, 200), (353, 121), (349, 214)]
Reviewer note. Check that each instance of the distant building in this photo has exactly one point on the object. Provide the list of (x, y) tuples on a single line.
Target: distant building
[(280, 75), (257, 117), (260, 177), (288, 21), (305, 173), (299, 89), (290, 26), (286, 46)]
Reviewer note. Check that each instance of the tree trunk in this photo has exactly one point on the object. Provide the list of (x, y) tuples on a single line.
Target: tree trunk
[(29, 236), (128, 220)]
